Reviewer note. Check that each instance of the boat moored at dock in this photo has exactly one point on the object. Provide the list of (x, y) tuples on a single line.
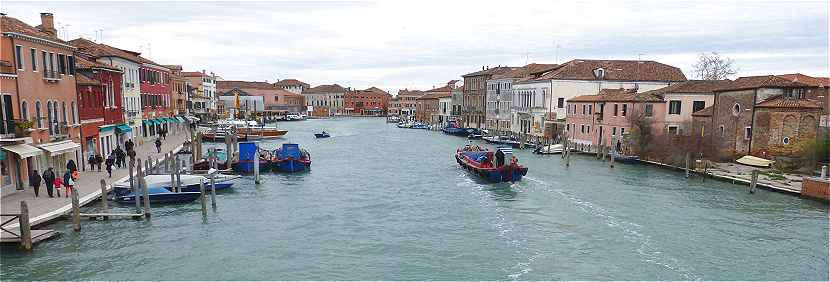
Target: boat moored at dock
[(159, 195), (290, 158), (550, 149), (498, 166), (244, 130)]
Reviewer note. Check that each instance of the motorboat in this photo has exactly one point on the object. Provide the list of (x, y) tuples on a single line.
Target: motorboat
[(550, 149), (189, 183), (498, 166), (419, 125), (322, 135), (245, 130), (290, 158), (159, 195)]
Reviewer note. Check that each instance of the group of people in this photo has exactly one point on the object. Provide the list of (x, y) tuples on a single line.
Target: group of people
[(53, 183), (117, 158)]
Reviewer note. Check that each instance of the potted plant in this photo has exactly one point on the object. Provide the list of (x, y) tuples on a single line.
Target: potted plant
[(21, 127)]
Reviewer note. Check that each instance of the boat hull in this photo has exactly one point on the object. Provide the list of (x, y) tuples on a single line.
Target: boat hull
[(508, 173), (321, 135), (161, 198), (291, 165)]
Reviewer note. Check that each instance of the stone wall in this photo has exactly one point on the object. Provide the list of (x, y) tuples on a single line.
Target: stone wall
[(732, 112), (774, 125), (816, 188)]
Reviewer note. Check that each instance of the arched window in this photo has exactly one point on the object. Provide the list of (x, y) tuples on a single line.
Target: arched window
[(24, 111), (736, 109), (38, 115), (50, 116), (63, 111), (74, 113)]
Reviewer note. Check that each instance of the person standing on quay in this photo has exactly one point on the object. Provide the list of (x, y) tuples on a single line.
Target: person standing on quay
[(131, 153), (91, 162), (110, 163), (67, 182), (71, 166), (158, 145), (129, 145), (34, 180), (49, 180), (119, 156)]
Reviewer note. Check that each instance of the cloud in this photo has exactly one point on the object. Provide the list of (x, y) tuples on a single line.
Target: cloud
[(418, 44)]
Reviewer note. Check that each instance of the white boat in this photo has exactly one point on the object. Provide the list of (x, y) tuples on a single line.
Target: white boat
[(550, 149), (245, 130), (189, 182)]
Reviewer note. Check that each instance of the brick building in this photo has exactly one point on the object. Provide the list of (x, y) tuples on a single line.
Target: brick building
[(277, 101), (369, 102), (475, 87), (325, 100), (292, 85), (100, 106)]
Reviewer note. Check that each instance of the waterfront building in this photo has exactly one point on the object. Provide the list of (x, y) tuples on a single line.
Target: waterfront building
[(395, 106), (128, 63), (427, 108), (179, 90), (369, 102), (237, 101), (499, 97), (457, 102), (475, 84), (203, 100), (99, 107), (684, 98), (540, 102), (764, 116), (276, 101), (42, 104), (445, 110), (292, 85), (608, 118), (408, 103), (155, 95), (325, 100)]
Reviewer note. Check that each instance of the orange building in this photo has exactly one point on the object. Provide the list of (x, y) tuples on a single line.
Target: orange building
[(369, 102)]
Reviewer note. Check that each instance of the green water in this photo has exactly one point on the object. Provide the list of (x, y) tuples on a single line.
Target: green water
[(383, 203)]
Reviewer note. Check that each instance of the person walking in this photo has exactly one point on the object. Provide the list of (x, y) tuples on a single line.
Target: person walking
[(71, 166), (158, 145), (119, 156), (99, 160), (110, 163), (129, 145), (131, 153), (49, 180), (57, 183), (67, 183), (91, 161), (34, 181)]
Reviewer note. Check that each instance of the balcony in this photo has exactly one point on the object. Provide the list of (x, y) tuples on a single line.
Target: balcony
[(51, 76)]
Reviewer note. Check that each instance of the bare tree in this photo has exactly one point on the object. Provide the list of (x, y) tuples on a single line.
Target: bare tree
[(711, 66)]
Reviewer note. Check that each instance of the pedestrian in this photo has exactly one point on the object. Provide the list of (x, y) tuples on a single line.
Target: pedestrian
[(34, 181), (131, 153), (57, 182), (91, 161), (110, 163), (158, 145), (119, 156), (129, 145), (67, 182), (49, 180), (71, 166), (99, 160)]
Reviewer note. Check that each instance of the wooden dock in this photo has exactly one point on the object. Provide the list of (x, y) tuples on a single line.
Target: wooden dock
[(37, 236)]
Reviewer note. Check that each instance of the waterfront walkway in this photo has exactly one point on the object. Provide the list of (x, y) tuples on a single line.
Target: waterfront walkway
[(43, 209)]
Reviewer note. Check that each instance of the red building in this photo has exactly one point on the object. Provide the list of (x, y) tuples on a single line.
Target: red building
[(369, 102), (155, 95), (99, 105)]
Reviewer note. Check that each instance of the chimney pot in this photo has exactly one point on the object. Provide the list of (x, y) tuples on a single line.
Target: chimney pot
[(47, 22)]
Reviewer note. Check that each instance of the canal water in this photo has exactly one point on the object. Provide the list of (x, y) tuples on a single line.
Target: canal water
[(383, 203)]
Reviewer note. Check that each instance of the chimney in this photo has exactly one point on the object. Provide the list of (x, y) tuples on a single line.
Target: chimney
[(47, 22), (203, 71)]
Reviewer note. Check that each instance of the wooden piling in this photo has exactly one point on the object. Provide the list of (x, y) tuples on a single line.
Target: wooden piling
[(76, 210), (167, 161), (568, 156), (146, 197), (213, 190), (173, 178), (178, 175), (256, 164), (754, 182), (687, 164), (25, 227), (104, 202), (131, 168), (138, 175), (705, 170), (202, 197)]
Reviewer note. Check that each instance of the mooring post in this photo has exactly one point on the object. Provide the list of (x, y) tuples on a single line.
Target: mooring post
[(611, 162), (823, 172), (25, 227), (76, 210), (146, 198), (104, 203), (753, 182), (131, 168), (687, 164), (568, 156), (256, 163), (178, 175), (566, 148), (705, 170), (138, 176), (167, 161), (172, 177), (202, 196), (213, 190)]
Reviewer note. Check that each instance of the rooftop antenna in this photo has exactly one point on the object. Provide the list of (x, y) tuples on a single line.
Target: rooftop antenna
[(556, 61)]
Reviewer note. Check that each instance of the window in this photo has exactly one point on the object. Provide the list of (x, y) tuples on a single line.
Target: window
[(722, 131), (560, 103), (74, 113), (588, 128), (747, 133), (45, 65), (615, 109), (674, 107), (18, 53), (582, 128), (52, 64), (673, 129), (71, 61), (613, 131), (33, 54), (38, 115), (62, 63), (24, 110), (63, 111), (698, 105), (624, 109), (590, 109), (622, 130), (786, 140), (649, 110), (736, 109)]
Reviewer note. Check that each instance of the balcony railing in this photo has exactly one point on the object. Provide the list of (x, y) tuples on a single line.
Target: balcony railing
[(51, 76)]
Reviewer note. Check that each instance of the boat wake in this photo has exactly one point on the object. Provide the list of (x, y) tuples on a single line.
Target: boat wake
[(631, 232)]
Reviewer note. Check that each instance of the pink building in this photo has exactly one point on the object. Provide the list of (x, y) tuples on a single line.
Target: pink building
[(609, 117)]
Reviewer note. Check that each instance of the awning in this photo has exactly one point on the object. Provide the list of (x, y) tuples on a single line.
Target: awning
[(149, 122), (123, 128), (58, 148), (106, 128), (23, 150)]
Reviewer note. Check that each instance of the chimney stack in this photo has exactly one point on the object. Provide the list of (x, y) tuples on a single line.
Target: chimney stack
[(47, 23), (203, 71)]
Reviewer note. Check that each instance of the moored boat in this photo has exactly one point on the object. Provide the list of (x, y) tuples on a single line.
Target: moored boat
[(245, 130), (453, 128), (290, 158), (498, 166), (626, 159), (550, 149), (419, 125), (159, 195), (189, 183)]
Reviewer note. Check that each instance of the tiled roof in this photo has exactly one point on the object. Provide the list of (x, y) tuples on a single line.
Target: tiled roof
[(491, 71), (82, 62), (365, 92), (326, 88), (82, 79), (290, 82), (809, 80), (691, 86), (98, 50), (705, 112), (226, 85), (763, 81), (378, 90), (617, 95), (527, 71), (173, 67), (790, 103), (10, 24), (434, 95), (616, 70), (410, 93), (194, 74)]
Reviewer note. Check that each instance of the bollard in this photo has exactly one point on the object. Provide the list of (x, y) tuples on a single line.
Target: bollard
[(566, 146), (213, 191), (705, 170), (25, 227), (202, 197), (568, 156), (172, 178), (76, 210), (823, 172), (256, 164), (753, 182), (167, 162), (138, 175), (146, 198), (687, 164), (104, 202)]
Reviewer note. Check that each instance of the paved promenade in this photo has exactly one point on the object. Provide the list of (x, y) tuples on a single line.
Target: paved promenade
[(43, 208)]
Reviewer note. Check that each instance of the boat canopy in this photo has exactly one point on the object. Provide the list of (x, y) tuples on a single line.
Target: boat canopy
[(289, 150)]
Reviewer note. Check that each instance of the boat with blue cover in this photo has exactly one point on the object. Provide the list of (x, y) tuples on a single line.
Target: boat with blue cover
[(498, 166), (189, 183), (453, 128), (159, 195), (290, 158), (419, 125), (626, 159)]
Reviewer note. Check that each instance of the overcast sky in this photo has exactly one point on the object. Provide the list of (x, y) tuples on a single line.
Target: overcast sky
[(420, 44)]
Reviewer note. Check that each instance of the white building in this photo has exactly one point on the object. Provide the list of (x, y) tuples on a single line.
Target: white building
[(445, 110), (325, 100), (292, 85), (499, 97), (539, 104)]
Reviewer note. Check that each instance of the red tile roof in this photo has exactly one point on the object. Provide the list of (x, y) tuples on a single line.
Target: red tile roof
[(691, 86), (82, 79), (82, 62), (410, 93), (226, 85), (790, 103), (763, 81), (378, 90), (615, 70), (617, 95), (194, 74), (291, 82), (809, 80), (10, 24), (491, 71), (434, 95), (98, 50), (326, 88)]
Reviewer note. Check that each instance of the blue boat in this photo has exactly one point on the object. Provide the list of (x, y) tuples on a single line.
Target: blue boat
[(499, 166), (452, 128), (290, 158), (159, 195), (626, 159), (419, 125), (189, 183)]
